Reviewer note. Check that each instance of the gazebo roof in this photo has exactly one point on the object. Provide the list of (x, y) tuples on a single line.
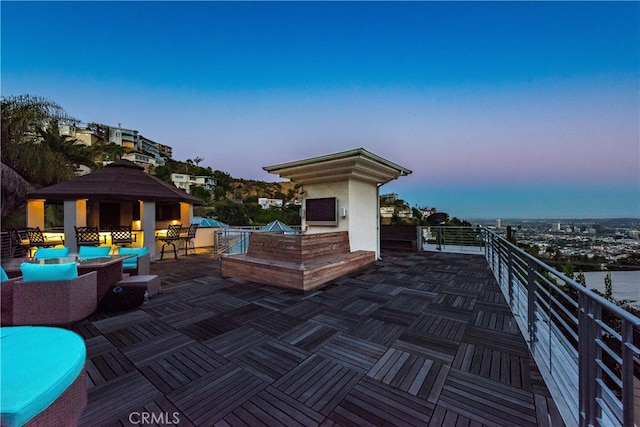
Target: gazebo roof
[(278, 226), (353, 164), (118, 181)]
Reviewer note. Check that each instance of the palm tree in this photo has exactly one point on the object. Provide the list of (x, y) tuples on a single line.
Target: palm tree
[(30, 146), (112, 151), (23, 115), (75, 152)]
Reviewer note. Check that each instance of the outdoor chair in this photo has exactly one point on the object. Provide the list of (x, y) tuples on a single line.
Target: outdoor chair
[(88, 236), (188, 239), (53, 294), (37, 240), (172, 236), (18, 248), (138, 265), (6, 298), (121, 235)]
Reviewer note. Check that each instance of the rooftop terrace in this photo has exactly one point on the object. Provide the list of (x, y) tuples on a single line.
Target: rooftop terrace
[(418, 339)]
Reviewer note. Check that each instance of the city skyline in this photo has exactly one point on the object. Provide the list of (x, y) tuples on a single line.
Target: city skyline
[(501, 109)]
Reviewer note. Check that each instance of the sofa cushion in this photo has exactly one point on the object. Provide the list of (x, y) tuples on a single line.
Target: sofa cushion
[(132, 262), (32, 272), (87, 252), (38, 364), (49, 253)]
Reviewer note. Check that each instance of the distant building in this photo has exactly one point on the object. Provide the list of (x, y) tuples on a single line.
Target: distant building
[(130, 139), (84, 135), (498, 223), (266, 203), (427, 211), (152, 148), (127, 138), (389, 198), (387, 211), (143, 160), (186, 182), (165, 151)]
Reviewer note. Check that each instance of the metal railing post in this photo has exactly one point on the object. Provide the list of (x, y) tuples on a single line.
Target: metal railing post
[(627, 374), (531, 302), (587, 380), (510, 277)]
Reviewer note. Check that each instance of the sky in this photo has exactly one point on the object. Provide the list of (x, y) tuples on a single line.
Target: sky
[(500, 109)]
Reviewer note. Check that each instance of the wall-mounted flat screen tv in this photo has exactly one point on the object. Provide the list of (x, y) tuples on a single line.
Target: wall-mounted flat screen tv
[(322, 211)]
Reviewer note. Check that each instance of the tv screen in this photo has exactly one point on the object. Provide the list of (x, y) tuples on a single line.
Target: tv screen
[(322, 211)]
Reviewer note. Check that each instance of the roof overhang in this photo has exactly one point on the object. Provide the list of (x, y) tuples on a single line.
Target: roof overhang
[(357, 164)]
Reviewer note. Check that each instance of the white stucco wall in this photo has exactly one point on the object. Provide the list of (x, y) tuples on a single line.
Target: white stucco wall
[(359, 198), (363, 216)]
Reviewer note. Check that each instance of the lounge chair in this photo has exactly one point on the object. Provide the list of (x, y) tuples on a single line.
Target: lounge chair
[(38, 300)]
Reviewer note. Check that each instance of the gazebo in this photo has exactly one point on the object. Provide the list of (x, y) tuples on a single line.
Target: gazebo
[(119, 193)]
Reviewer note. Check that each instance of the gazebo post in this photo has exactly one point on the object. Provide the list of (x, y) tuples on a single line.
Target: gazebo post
[(75, 214), (186, 213), (149, 227), (35, 213)]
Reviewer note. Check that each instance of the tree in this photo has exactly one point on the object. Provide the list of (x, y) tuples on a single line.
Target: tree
[(112, 152), (201, 193), (75, 152), (30, 145), (608, 287), (197, 160), (24, 115), (581, 279)]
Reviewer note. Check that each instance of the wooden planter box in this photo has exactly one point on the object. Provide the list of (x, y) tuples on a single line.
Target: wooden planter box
[(302, 262)]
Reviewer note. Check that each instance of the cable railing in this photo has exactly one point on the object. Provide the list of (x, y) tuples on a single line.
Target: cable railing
[(586, 347), (452, 239), (235, 240)]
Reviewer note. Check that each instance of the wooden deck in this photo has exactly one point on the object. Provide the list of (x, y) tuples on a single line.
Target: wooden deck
[(421, 339)]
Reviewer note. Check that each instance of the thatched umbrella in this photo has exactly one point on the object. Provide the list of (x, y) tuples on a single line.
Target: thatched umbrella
[(14, 190)]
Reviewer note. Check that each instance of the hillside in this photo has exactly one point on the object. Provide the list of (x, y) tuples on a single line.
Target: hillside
[(243, 189)]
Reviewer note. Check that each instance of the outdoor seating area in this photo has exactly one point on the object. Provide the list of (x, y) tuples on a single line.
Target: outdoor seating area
[(298, 262), (54, 288)]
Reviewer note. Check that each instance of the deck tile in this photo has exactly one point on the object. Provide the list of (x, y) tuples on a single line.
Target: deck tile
[(416, 339)]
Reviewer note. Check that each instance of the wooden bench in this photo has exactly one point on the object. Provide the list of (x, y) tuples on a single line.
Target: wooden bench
[(303, 262), (399, 237)]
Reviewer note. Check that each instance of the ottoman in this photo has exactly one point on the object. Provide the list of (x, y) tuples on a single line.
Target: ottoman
[(149, 281)]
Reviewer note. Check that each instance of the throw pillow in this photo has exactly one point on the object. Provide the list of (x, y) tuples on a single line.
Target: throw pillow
[(49, 253), (48, 272), (87, 252)]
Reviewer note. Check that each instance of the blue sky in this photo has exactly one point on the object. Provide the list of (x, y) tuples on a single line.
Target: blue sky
[(501, 109)]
